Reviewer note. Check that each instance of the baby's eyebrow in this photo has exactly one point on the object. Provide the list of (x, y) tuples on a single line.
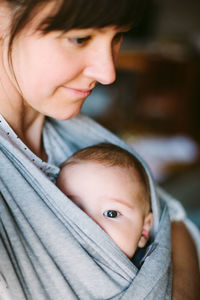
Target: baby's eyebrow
[(123, 202)]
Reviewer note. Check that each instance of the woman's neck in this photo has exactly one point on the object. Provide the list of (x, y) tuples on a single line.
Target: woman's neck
[(24, 120), (28, 125)]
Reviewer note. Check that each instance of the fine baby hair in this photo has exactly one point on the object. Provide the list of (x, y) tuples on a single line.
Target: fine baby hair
[(111, 155)]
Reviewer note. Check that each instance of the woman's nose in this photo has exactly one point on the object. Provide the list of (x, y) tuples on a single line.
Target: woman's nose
[(101, 66)]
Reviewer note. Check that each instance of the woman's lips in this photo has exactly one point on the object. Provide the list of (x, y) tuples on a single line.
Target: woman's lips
[(79, 92)]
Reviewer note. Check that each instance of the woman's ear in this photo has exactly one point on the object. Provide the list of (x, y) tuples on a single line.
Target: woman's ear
[(148, 221)]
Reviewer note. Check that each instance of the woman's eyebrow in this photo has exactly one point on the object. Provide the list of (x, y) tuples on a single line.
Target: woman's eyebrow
[(124, 28), (115, 27)]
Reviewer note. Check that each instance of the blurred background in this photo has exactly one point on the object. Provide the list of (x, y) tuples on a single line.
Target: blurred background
[(154, 104)]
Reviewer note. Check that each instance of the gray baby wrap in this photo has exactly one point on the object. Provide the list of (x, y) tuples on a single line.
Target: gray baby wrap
[(50, 249)]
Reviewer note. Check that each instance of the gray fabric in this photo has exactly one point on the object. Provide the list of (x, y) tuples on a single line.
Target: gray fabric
[(49, 167), (50, 249)]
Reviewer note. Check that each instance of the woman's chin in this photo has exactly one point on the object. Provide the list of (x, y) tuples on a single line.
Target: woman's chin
[(66, 115)]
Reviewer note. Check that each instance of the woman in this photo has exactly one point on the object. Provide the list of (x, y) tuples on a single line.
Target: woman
[(53, 53)]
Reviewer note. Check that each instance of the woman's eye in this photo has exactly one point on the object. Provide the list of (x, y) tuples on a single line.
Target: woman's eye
[(118, 37), (79, 41), (111, 214)]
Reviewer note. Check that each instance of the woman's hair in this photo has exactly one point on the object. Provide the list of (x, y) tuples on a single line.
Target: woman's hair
[(110, 155), (75, 14)]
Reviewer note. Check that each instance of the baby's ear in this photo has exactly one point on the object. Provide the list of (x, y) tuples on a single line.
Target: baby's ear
[(148, 221)]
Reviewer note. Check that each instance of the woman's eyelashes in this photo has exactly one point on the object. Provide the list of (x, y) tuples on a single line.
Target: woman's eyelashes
[(79, 41), (111, 213), (84, 40)]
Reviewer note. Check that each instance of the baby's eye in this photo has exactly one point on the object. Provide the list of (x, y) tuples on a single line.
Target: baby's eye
[(79, 41), (111, 214)]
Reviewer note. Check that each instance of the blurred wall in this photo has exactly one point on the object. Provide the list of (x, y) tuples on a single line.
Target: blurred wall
[(178, 17)]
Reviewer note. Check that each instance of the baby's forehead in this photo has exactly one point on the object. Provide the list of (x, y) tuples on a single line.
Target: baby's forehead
[(87, 168), (129, 180), (106, 165), (90, 165)]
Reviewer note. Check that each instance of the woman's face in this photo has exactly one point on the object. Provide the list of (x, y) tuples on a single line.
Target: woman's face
[(56, 72)]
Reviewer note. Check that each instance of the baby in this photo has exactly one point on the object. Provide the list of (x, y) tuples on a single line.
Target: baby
[(110, 185)]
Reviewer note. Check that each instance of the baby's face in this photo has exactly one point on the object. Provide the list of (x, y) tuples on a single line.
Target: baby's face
[(113, 197)]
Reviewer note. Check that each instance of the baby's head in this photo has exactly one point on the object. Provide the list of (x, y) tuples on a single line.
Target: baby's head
[(110, 185)]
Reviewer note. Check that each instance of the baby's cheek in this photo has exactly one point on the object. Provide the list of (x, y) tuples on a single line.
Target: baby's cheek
[(120, 236)]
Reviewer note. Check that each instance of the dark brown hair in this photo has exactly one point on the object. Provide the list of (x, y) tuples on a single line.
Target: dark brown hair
[(71, 14)]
